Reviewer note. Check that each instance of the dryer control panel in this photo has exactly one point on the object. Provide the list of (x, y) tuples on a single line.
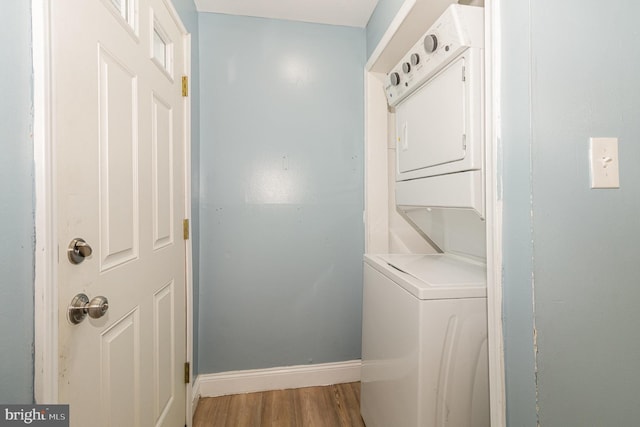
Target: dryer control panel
[(460, 27)]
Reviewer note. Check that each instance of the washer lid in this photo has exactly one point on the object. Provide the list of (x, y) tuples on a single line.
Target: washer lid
[(433, 276)]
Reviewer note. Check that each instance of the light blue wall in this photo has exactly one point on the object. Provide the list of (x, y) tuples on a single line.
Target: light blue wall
[(281, 193), (379, 21), (585, 67), (16, 205), (189, 15), (570, 72), (516, 187)]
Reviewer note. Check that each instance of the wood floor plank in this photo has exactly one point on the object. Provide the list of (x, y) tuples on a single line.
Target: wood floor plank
[(317, 407), (331, 406), (244, 410), (339, 404), (355, 387), (348, 403), (278, 409), (212, 412)]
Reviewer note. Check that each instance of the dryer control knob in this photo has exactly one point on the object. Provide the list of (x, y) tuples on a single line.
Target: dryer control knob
[(415, 59), (395, 79), (430, 43), (406, 67)]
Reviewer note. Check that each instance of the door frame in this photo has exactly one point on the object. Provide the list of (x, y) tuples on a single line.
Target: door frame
[(401, 35), (46, 250)]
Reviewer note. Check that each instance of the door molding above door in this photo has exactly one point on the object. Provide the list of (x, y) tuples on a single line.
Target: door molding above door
[(46, 249)]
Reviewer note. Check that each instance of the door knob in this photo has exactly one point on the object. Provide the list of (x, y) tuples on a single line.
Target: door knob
[(81, 306), (78, 250)]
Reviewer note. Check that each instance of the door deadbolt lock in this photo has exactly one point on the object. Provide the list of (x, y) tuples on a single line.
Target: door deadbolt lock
[(81, 306), (78, 250)]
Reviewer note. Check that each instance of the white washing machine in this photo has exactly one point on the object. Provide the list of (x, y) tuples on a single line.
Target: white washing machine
[(424, 339), (424, 342)]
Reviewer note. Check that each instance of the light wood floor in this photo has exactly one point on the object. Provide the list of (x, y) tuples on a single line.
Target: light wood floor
[(331, 406)]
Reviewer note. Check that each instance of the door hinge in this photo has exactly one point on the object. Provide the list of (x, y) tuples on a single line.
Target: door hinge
[(187, 372), (185, 86), (464, 77), (185, 229), (464, 141)]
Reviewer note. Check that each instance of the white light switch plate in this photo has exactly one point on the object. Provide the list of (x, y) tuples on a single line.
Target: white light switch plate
[(603, 160)]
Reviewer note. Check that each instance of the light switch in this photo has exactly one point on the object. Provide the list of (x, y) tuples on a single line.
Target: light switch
[(603, 158)]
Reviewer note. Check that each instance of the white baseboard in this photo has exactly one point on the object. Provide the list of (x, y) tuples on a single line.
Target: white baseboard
[(235, 382)]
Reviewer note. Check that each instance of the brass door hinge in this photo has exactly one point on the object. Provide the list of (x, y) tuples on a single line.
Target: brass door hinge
[(187, 372), (185, 229), (185, 86)]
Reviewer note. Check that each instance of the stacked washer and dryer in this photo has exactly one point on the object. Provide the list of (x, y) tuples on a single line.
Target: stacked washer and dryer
[(424, 344)]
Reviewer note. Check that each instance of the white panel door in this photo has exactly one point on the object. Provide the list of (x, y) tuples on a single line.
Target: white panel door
[(119, 137)]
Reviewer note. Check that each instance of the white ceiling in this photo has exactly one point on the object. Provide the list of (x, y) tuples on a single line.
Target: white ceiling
[(353, 13)]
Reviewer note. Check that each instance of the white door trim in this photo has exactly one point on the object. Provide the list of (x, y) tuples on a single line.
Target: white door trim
[(46, 250), (45, 286), (375, 103), (493, 154)]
